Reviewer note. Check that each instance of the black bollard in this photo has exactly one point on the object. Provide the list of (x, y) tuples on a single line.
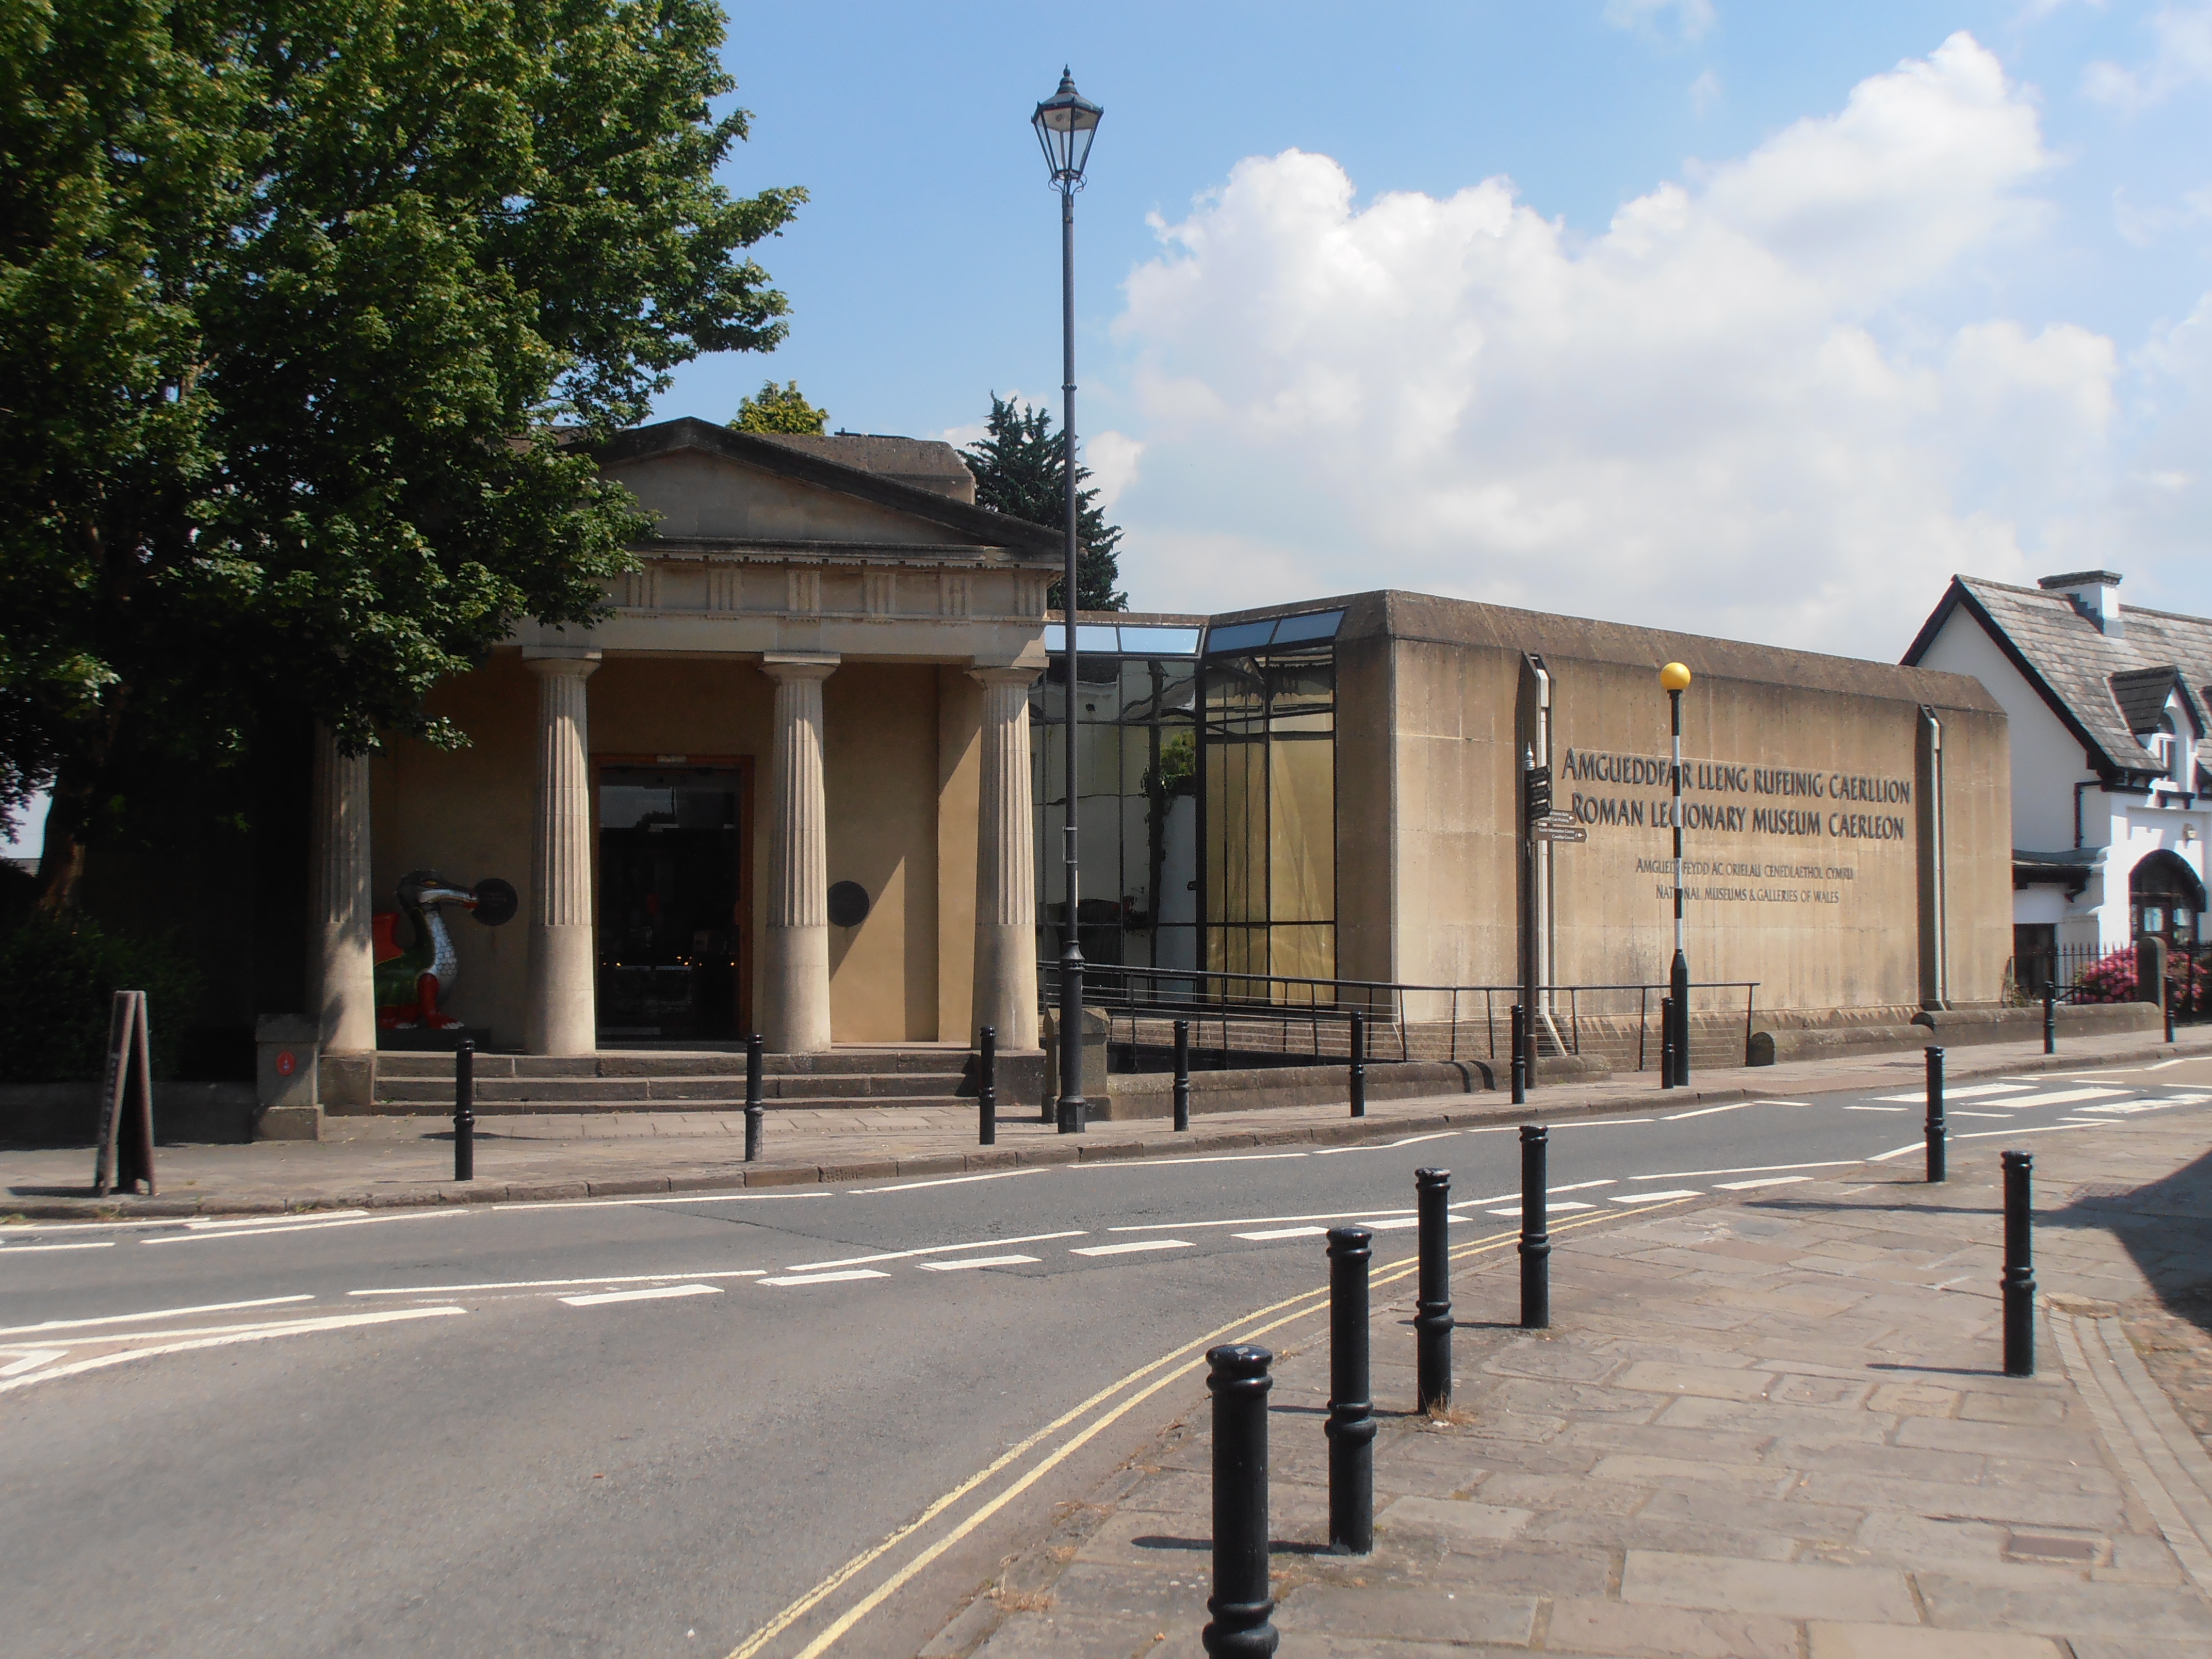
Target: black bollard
[(987, 1087), (2166, 1005), (755, 1115), (2050, 1020), (464, 1111), (1358, 1064), (1535, 1235), (1241, 1601), (1520, 1024), (1935, 1124), (1432, 1314), (2019, 1269), (1666, 1042), (1182, 1076), (1351, 1425)]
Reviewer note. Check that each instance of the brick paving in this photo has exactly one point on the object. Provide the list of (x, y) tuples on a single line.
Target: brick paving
[(404, 1160), (1771, 1426)]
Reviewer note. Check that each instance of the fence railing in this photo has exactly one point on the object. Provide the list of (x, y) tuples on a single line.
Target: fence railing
[(2091, 973), (1286, 1016)]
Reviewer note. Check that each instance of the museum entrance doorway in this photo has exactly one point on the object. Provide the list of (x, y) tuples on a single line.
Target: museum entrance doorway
[(672, 935)]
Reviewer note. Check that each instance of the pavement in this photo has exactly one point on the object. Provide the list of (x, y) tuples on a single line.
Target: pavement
[(1766, 1422), (373, 1161)]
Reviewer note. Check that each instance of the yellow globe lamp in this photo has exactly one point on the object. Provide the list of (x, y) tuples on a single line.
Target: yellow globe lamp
[(1674, 677)]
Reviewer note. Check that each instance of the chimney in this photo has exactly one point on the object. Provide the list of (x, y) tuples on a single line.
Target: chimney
[(2095, 593)]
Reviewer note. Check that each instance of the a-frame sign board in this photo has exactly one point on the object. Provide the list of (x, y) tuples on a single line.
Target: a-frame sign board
[(127, 1107)]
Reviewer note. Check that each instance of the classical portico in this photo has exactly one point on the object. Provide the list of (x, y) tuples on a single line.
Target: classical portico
[(786, 777)]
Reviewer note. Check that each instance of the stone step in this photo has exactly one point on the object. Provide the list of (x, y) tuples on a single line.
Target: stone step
[(730, 1103), (652, 1063), (667, 1090)]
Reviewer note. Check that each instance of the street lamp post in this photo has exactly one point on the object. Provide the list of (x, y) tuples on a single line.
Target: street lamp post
[(1676, 679), (1066, 123)]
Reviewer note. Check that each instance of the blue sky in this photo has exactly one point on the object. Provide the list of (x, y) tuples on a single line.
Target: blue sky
[(923, 276), (1755, 319)]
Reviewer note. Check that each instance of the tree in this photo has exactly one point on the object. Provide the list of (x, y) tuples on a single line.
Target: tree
[(1021, 469), (780, 409), (310, 312)]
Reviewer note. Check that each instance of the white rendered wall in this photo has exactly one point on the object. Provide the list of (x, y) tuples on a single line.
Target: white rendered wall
[(2046, 758)]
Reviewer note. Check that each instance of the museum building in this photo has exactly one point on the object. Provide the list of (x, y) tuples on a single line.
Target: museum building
[(798, 782)]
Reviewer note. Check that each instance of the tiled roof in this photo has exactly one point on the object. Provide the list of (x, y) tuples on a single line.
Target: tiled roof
[(2144, 693), (2083, 672)]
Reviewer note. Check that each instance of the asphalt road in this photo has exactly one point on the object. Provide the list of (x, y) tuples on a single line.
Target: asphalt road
[(652, 1426)]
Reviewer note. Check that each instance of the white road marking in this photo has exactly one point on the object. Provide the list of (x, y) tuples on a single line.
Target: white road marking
[(975, 1262), (1245, 1221), (931, 1249), (1876, 1109), (302, 1327), (1130, 1247), (510, 1208), (1512, 1210), (2056, 1097), (653, 1293), (1750, 1168), (34, 1249), (556, 1283), (1163, 1162), (1654, 1198), (1993, 1117), (2125, 1107), (289, 1216), (2163, 1064), (1581, 1185), (826, 1278), (1976, 1092), (1283, 1232), (2187, 1100), (1991, 1134), (1386, 1145), (153, 1313), (948, 1181), (1782, 1102), (1397, 1224), (1601, 1123), (1772, 1181), (214, 1236), (1707, 1111), (29, 1359)]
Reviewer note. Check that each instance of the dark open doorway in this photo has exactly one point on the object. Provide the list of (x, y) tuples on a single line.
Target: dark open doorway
[(671, 917)]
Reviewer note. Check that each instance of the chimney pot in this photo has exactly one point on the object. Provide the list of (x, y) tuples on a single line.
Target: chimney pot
[(2095, 593)]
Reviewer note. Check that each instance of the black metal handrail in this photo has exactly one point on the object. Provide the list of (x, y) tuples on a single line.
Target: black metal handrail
[(1224, 995)]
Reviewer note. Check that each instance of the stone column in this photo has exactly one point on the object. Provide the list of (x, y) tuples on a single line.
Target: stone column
[(792, 1002), (1006, 864), (341, 945), (562, 1017)]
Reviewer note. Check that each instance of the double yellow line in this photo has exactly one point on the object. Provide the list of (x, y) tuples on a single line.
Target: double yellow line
[(1289, 1309)]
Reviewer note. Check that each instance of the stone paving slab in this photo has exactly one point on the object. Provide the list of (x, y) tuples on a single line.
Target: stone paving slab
[(1829, 1464), (390, 1160)]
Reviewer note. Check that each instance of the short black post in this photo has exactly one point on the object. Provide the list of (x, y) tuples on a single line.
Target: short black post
[(1666, 1042), (987, 1087), (1535, 1234), (2050, 1020), (1432, 1314), (1182, 1076), (1351, 1425), (756, 1114), (1520, 1024), (1358, 1064), (1682, 1042), (2166, 1005), (2018, 1268), (1241, 1604), (1935, 1125), (464, 1111)]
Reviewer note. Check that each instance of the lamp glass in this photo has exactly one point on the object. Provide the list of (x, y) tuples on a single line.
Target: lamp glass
[(1674, 677), (1066, 123)]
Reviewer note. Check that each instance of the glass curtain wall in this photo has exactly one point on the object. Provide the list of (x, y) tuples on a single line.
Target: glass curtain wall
[(1268, 765), (1136, 795)]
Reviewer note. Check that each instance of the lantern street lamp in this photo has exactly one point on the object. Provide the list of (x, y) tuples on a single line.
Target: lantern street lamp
[(1066, 123), (1675, 677)]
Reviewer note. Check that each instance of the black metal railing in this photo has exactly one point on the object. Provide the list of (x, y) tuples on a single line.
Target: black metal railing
[(2079, 974), (1283, 1018)]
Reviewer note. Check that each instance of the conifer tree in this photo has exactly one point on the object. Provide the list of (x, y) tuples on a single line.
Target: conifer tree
[(1020, 469)]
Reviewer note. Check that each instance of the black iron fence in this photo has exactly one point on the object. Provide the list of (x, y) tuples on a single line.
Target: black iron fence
[(2092, 972), (1281, 1019)]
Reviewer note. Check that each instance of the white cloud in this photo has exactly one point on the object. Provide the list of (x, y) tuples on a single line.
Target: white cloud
[(1730, 412), (1690, 19), (2182, 57), (1704, 92), (1112, 458)]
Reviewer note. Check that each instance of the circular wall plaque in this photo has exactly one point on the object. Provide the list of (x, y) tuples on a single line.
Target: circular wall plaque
[(496, 902), (848, 904)]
